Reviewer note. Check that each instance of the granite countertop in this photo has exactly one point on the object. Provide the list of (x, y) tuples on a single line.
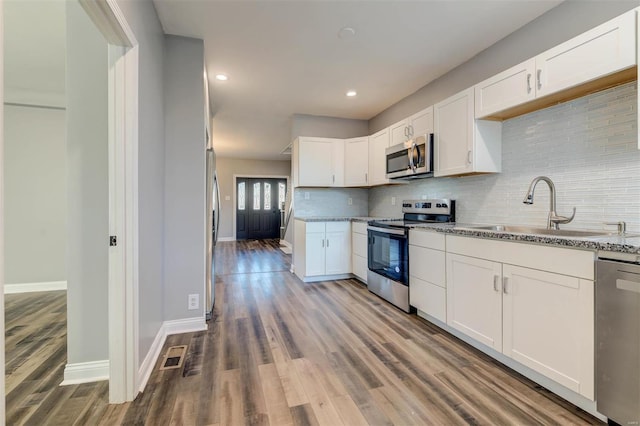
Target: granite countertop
[(613, 242), (343, 219)]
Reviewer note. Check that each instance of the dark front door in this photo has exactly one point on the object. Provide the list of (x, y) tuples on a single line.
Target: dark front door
[(258, 207)]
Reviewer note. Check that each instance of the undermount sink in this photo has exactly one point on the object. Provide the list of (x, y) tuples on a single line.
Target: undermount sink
[(533, 230)]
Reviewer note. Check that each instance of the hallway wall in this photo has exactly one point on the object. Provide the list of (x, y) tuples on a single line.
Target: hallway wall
[(35, 175)]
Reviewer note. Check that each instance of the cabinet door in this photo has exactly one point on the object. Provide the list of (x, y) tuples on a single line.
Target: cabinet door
[(338, 248), (315, 162), (378, 143), (454, 134), (398, 132), (359, 267), (359, 244), (315, 254), (337, 163), (512, 87), (474, 298), (608, 48), (356, 164), (548, 325), (422, 122)]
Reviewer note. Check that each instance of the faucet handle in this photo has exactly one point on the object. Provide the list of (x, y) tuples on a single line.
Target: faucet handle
[(562, 219), (622, 226)]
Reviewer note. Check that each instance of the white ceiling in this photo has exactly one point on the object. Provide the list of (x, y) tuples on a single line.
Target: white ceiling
[(285, 57), (34, 50)]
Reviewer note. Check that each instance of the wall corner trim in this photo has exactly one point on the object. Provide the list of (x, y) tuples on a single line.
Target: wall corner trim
[(32, 287), (185, 325), (85, 372)]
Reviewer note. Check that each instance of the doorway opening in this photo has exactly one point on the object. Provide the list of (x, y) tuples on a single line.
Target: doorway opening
[(259, 207)]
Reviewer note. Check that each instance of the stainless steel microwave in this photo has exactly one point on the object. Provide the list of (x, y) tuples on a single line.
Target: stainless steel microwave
[(412, 159)]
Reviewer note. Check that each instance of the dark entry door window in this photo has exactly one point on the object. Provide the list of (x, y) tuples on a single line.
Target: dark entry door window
[(258, 207)]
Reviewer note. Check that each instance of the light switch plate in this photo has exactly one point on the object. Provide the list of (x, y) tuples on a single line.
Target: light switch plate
[(227, 197), (307, 195), (350, 201), (393, 201)]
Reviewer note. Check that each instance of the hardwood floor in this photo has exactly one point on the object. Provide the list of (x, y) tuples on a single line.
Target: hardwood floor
[(282, 352)]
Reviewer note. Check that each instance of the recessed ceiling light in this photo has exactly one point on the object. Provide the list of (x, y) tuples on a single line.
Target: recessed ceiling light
[(222, 77), (351, 93), (346, 33)]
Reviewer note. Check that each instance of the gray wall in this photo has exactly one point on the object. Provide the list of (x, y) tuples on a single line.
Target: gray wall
[(88, 196), (554, 27), (141, 15), (185, 148), (226, 168), (588, 147), (327, 127), (35, 176)]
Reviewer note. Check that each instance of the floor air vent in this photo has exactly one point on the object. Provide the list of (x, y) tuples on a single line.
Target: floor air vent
[(174, 357)]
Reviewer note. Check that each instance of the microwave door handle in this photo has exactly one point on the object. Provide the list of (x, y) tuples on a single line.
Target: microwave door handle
[(418, 159), (414, 166), (410, 153)]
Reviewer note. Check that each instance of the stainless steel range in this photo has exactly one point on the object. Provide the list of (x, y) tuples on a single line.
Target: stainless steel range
[(388, 259)]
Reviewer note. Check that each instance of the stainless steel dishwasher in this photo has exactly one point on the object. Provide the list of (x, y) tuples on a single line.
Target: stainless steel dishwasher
[(618, 337)]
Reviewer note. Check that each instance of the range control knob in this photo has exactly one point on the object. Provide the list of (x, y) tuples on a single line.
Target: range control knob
[(438, 205), (444, 205)]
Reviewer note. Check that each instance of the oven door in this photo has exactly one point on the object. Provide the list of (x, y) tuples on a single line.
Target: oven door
[(389, 253)]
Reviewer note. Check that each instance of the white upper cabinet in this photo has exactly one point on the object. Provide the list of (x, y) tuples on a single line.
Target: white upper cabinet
[(399, 132), (464, 145), (319, 162), (378, 143), (512, 87), (356, 164), (562, 71), (608, 48), (421, 123)]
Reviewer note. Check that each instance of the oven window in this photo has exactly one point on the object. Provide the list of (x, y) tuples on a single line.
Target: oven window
[(388, 256)]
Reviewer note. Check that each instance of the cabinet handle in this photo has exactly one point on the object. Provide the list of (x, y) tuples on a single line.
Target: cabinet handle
[(323, 243), (496, 283), (539, 79), (333, 177), (529, 83), (366, 177), (469, 156), (406, 132), (410, 127), (505, 285), (327, 242)]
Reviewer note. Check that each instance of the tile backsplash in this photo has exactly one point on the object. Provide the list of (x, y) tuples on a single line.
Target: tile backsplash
[(331, 202), (588, 147)]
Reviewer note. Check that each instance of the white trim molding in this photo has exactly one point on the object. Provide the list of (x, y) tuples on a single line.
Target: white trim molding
[(86, 372), (286, 243), (226, 239), (33, 287), (185, 325)]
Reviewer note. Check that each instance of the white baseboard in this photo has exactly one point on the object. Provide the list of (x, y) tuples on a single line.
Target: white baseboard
[(186, 325), (85, 372), (226, 238), (286, 243), (32, 287), (146, 368)]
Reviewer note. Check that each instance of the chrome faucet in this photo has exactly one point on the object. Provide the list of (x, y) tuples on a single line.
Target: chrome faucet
[(553, 220)]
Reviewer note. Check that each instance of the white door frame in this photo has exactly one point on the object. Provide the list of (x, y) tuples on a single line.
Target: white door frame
[(235, 190), (123, 197), (2, 400)]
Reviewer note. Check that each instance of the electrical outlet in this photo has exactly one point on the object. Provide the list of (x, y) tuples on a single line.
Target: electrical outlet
[(194, 302), (350, 201), (393, 201), (307, 195), (227, 197)]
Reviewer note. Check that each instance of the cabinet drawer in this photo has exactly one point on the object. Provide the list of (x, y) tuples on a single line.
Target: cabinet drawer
[(428, 239), (359, 267), (428, 298), (359, 243), (338, 226), (573, 262), (427, 264), (359, 227), (314, 227)]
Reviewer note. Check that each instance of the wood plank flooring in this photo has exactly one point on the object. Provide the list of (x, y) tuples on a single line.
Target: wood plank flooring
[(282, 352)]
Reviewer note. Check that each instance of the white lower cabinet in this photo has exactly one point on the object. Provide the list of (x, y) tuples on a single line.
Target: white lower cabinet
[(548, 325), (474, 299), (427, 280), (321, 249), (359, 254), (541, 319)]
